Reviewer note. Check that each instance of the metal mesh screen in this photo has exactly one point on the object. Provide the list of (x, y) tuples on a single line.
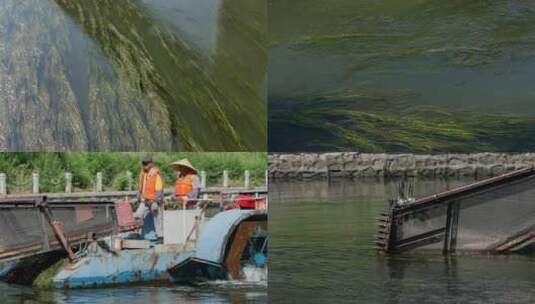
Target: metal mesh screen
[(500, 217), (488, 219), (80, 220), (20, 228), (410, 226), (26, 229)]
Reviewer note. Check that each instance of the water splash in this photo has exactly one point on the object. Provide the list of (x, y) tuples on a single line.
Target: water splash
[(252, 276), (255, 274)]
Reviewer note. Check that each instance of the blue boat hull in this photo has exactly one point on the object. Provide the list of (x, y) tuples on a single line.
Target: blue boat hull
[(104, 268)]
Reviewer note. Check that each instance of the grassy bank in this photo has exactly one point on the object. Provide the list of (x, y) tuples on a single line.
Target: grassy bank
[(84, 166)]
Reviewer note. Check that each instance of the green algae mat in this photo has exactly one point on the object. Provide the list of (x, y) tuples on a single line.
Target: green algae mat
[(401, 76), (133, 75)]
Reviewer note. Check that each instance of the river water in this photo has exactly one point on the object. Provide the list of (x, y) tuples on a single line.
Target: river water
[(473, 53), (253, 289), (342, 71), (322, 251), (132, 75)]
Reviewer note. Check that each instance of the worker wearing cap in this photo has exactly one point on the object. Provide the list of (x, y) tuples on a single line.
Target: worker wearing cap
[(150, 198), (187, 184)]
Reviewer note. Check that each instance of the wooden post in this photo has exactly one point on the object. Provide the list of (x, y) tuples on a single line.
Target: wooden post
[(35, 183), (203, 179), (99, 182), (246, 177), (129, 181), (266, 178), (68, 182), (3, 184), (225, 179)]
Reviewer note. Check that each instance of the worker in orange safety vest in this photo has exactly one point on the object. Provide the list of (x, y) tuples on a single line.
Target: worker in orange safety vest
[(150, 198), (187, 184)]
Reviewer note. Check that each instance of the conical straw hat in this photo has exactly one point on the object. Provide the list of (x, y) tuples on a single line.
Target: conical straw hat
[(182, 163)]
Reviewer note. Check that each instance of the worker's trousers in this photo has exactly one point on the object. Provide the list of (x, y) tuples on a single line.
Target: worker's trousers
[(152, 221)]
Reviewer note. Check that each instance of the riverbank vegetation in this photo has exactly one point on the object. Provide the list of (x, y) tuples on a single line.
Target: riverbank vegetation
[(84, 166)]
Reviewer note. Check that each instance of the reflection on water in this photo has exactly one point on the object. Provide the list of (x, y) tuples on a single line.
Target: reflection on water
[(209, 293), (380, 55), (127, 75), (322, 250)]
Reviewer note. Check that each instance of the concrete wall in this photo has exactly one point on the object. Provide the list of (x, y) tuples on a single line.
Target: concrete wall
[(351, 164)]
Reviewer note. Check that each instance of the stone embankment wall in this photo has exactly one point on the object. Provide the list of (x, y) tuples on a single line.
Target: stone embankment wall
[(350, 164)]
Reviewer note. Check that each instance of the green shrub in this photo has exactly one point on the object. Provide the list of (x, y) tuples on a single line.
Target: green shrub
[(52, 168)]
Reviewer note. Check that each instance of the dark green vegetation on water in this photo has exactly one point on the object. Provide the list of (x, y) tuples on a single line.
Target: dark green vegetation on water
[(322, 250), (396, 76), (125, 75), (372, 124), (45, 279), (52, 168)]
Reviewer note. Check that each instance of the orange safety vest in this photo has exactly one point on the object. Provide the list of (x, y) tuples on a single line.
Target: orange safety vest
[(147, 183), (184, 185)]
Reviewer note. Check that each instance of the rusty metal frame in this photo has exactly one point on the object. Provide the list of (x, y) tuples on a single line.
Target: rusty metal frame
[(426, 238), (464, 191), (515, 242), (96, 197)]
